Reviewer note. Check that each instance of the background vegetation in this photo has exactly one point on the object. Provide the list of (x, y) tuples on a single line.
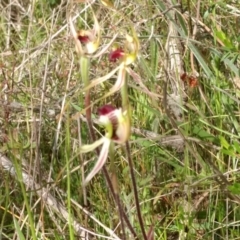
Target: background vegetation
[(187, 171)]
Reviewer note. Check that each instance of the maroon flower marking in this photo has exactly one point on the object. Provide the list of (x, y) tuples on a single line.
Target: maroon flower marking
[(83, 39), (115, 55), (106, 109), (109, 111)]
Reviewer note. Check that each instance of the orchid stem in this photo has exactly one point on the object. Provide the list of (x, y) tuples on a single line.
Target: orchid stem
[(135, 191), (120, 206), (114, 181), (84, 69), (124, 93), (125, 106)]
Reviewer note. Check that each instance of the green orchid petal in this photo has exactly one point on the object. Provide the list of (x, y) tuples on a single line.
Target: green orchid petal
[(91, 147), (118, 84), (100, 162)]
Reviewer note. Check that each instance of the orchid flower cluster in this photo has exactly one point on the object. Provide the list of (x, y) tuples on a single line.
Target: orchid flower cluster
[(116, 121), (125, 56)]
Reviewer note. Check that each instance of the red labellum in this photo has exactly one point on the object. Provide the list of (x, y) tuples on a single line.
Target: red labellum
[(115, 55), (110, 112), (83, 39), (106, 109)]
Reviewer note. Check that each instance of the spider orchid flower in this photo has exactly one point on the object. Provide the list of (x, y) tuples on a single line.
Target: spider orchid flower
[(117, 129), (129, 54), (126, 56), (86, 41)]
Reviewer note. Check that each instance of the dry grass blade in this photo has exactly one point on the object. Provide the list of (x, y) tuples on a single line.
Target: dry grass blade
[(174, 67)]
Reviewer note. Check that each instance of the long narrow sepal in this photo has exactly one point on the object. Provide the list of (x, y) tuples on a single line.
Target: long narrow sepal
[(75, 36), (91, 147), (92, 46), (100, 80), (100, 162), (120, 79)]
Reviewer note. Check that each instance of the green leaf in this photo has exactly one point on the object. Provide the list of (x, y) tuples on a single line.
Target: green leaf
[(201, 133), (224, 142), (18, 230), (76, 107), (222, 36), (229, 152), (236, 146), (234, 188)]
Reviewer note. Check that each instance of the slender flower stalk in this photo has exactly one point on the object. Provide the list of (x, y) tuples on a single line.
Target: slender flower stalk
[(135, 192), (125, 104), (114, 181)]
